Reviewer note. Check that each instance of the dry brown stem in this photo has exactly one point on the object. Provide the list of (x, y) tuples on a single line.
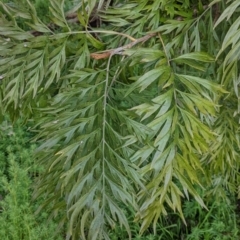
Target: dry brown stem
[(119, 50)]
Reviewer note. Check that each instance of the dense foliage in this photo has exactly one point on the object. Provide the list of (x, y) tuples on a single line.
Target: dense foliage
[(19, 218), (136, 104)]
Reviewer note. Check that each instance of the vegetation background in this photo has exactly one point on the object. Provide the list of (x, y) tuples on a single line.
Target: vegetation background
[(133, 108)]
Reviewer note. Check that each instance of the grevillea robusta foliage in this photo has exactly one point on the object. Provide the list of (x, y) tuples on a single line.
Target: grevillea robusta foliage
[(136, 103)]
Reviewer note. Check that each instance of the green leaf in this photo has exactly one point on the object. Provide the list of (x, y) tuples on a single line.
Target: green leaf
[(96, 43), (232, 36), (197, 56), (15, 33), (227, 13), (148, 78), (145, 54), (57, 12), (209, 85)]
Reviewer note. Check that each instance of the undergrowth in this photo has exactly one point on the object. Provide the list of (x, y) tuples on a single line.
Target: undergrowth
[(17, 174), (218, 222)]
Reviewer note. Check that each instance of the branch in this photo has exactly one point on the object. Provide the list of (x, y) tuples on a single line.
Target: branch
[(119, 50)]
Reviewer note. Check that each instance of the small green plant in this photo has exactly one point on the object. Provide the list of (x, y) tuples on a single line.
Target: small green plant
[(219, 222), (17, 218)]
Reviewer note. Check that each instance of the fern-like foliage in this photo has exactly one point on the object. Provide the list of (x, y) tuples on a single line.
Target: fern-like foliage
[(133, 112)]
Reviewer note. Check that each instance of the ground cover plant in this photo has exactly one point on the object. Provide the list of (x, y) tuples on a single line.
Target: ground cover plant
[(136, 105), (17, 174)]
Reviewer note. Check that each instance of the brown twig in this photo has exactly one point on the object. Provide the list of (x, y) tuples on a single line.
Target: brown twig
[(119, 50)]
